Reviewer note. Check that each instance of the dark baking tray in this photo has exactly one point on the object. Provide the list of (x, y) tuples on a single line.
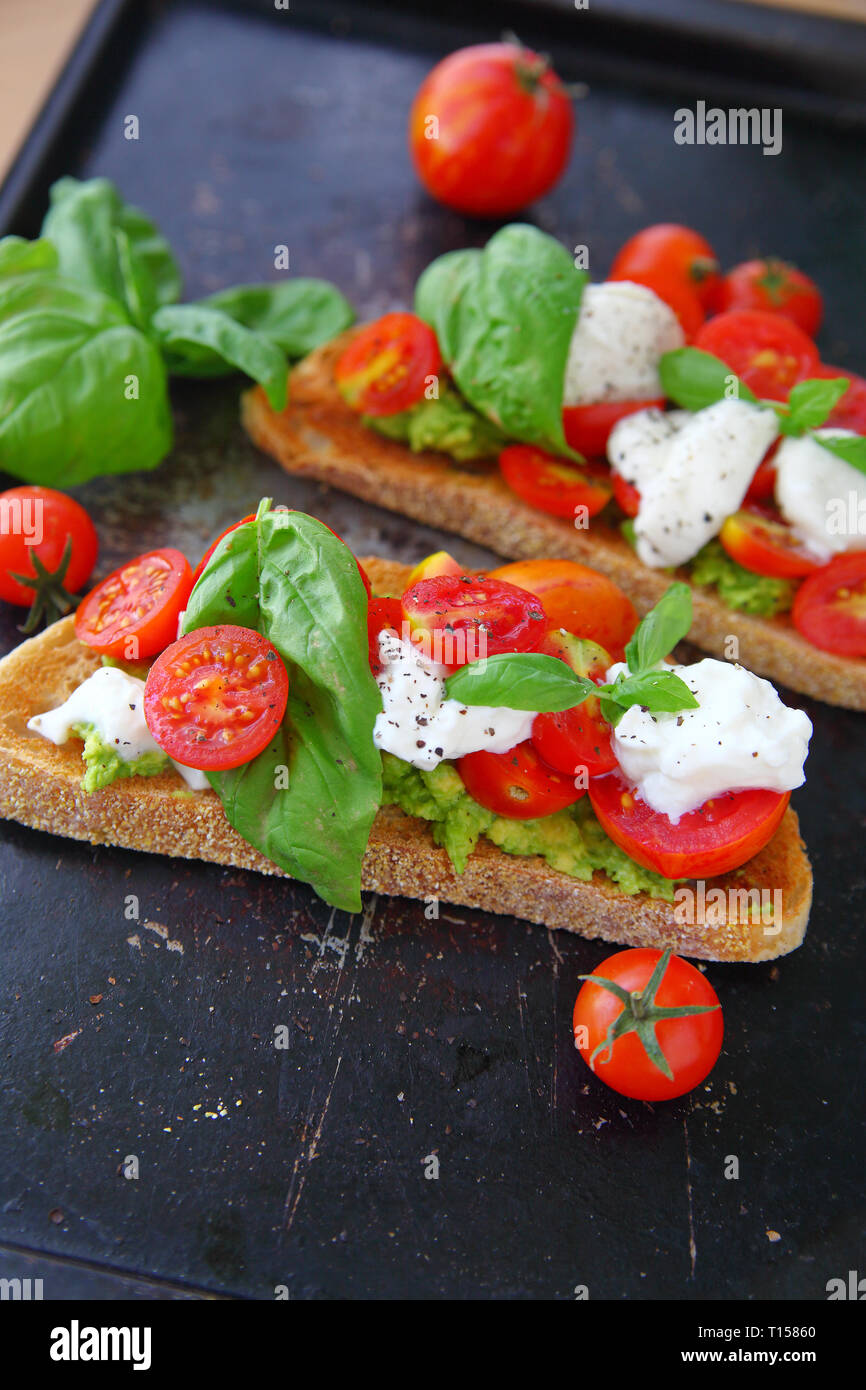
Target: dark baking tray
[(305, 1167)]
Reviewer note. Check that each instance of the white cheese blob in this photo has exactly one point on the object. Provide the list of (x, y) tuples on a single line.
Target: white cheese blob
[(692, 471), (621, 332), (421, 726), (821, 495), (113, 702), (741, 735)]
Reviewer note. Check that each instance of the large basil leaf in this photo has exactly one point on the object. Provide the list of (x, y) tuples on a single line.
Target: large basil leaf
[(297, 314), (287, 576), (504, 318), (82, 392), (18, 256), (198, 340), (104, 244)]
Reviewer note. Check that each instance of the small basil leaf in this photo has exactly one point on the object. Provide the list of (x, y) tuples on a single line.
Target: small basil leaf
[(694, 379), (852, 449), (810, 402), (297, 314), (655, 690), (611, 711), (660, 630), (19, 257), (200, 341), (520, 680)]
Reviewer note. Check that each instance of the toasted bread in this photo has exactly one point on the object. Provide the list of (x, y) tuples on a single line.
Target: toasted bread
[(40, 786), (318, 436)]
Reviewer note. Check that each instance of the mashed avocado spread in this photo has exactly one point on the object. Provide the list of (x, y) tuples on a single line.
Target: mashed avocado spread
[(447, 425), (104, 764), (739, 587), (571, 841)]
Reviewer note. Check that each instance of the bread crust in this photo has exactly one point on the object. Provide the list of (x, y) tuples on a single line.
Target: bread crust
[(318, 436), (40, 786)]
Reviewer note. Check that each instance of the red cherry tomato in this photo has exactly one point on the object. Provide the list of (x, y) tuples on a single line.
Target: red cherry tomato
[(215, 698), (556, 487), (776, 287), (587, 427), (830, 606), (469, 616), (386, 367), (689, 1045), (719, 836), (517, 784), (490, 129), (763, 484), (765, 544), (768, 352), (626, 495), (133, 613), (668, 249), (850, 412), (39, 521), (577, 738), (575, 597), (381, 613), (676, 293)]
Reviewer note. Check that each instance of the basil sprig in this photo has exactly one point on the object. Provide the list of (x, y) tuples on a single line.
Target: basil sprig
[(534, 682), (694, 379)]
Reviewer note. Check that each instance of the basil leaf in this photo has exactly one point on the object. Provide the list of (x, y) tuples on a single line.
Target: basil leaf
[(200, 341), (520, 680), (654, 690), (694, 379), (288, 577), (504, 318), (297, 315), (18, 256), (810, 402), (659, 631), (104, 244), (851, 448)]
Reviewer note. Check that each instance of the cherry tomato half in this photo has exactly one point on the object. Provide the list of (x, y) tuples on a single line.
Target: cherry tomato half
[(587, 427), (469, 616), (675, 292), (556, 487), (381, 613), (578, 738), (690, 1044), (768, 352), (385, 368), (39, 521), (830, 606), (625, 495), (719, 836), (765, 544), (133, 613), (670, 250), (215, 698), (578, 598), (763, 484), (518, 783), (490, 129), (850, 412), (776, 287)]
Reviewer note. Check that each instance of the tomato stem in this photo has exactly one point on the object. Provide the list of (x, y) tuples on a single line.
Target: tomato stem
[(51, 600)]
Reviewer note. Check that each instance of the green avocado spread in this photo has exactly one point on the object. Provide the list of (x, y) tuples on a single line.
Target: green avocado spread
[(447, 425), (104, 764), (570, 841), (739, 587)]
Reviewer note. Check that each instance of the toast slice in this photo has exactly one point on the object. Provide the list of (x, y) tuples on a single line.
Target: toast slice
[(318, 436), (40, 786)]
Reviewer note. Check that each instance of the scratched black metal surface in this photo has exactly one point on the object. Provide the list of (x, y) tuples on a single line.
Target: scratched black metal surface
[(153, 1036)]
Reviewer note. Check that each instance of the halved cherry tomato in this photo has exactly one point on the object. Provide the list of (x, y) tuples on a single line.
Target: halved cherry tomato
[(768, 352), (215, 698), (517, 784), (765, 544), (850, 412), (690, 1043), (668, 249), (763, 484), (381, 613), (502, 133), (830, 606), (553, 485), (577, 738), (719, 836), (435, 565), (675, 292), (202, 564), (386, 366), (626, 495), (776, 287), (133, 613), (459, 618), (587, 427), (578, 598)]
